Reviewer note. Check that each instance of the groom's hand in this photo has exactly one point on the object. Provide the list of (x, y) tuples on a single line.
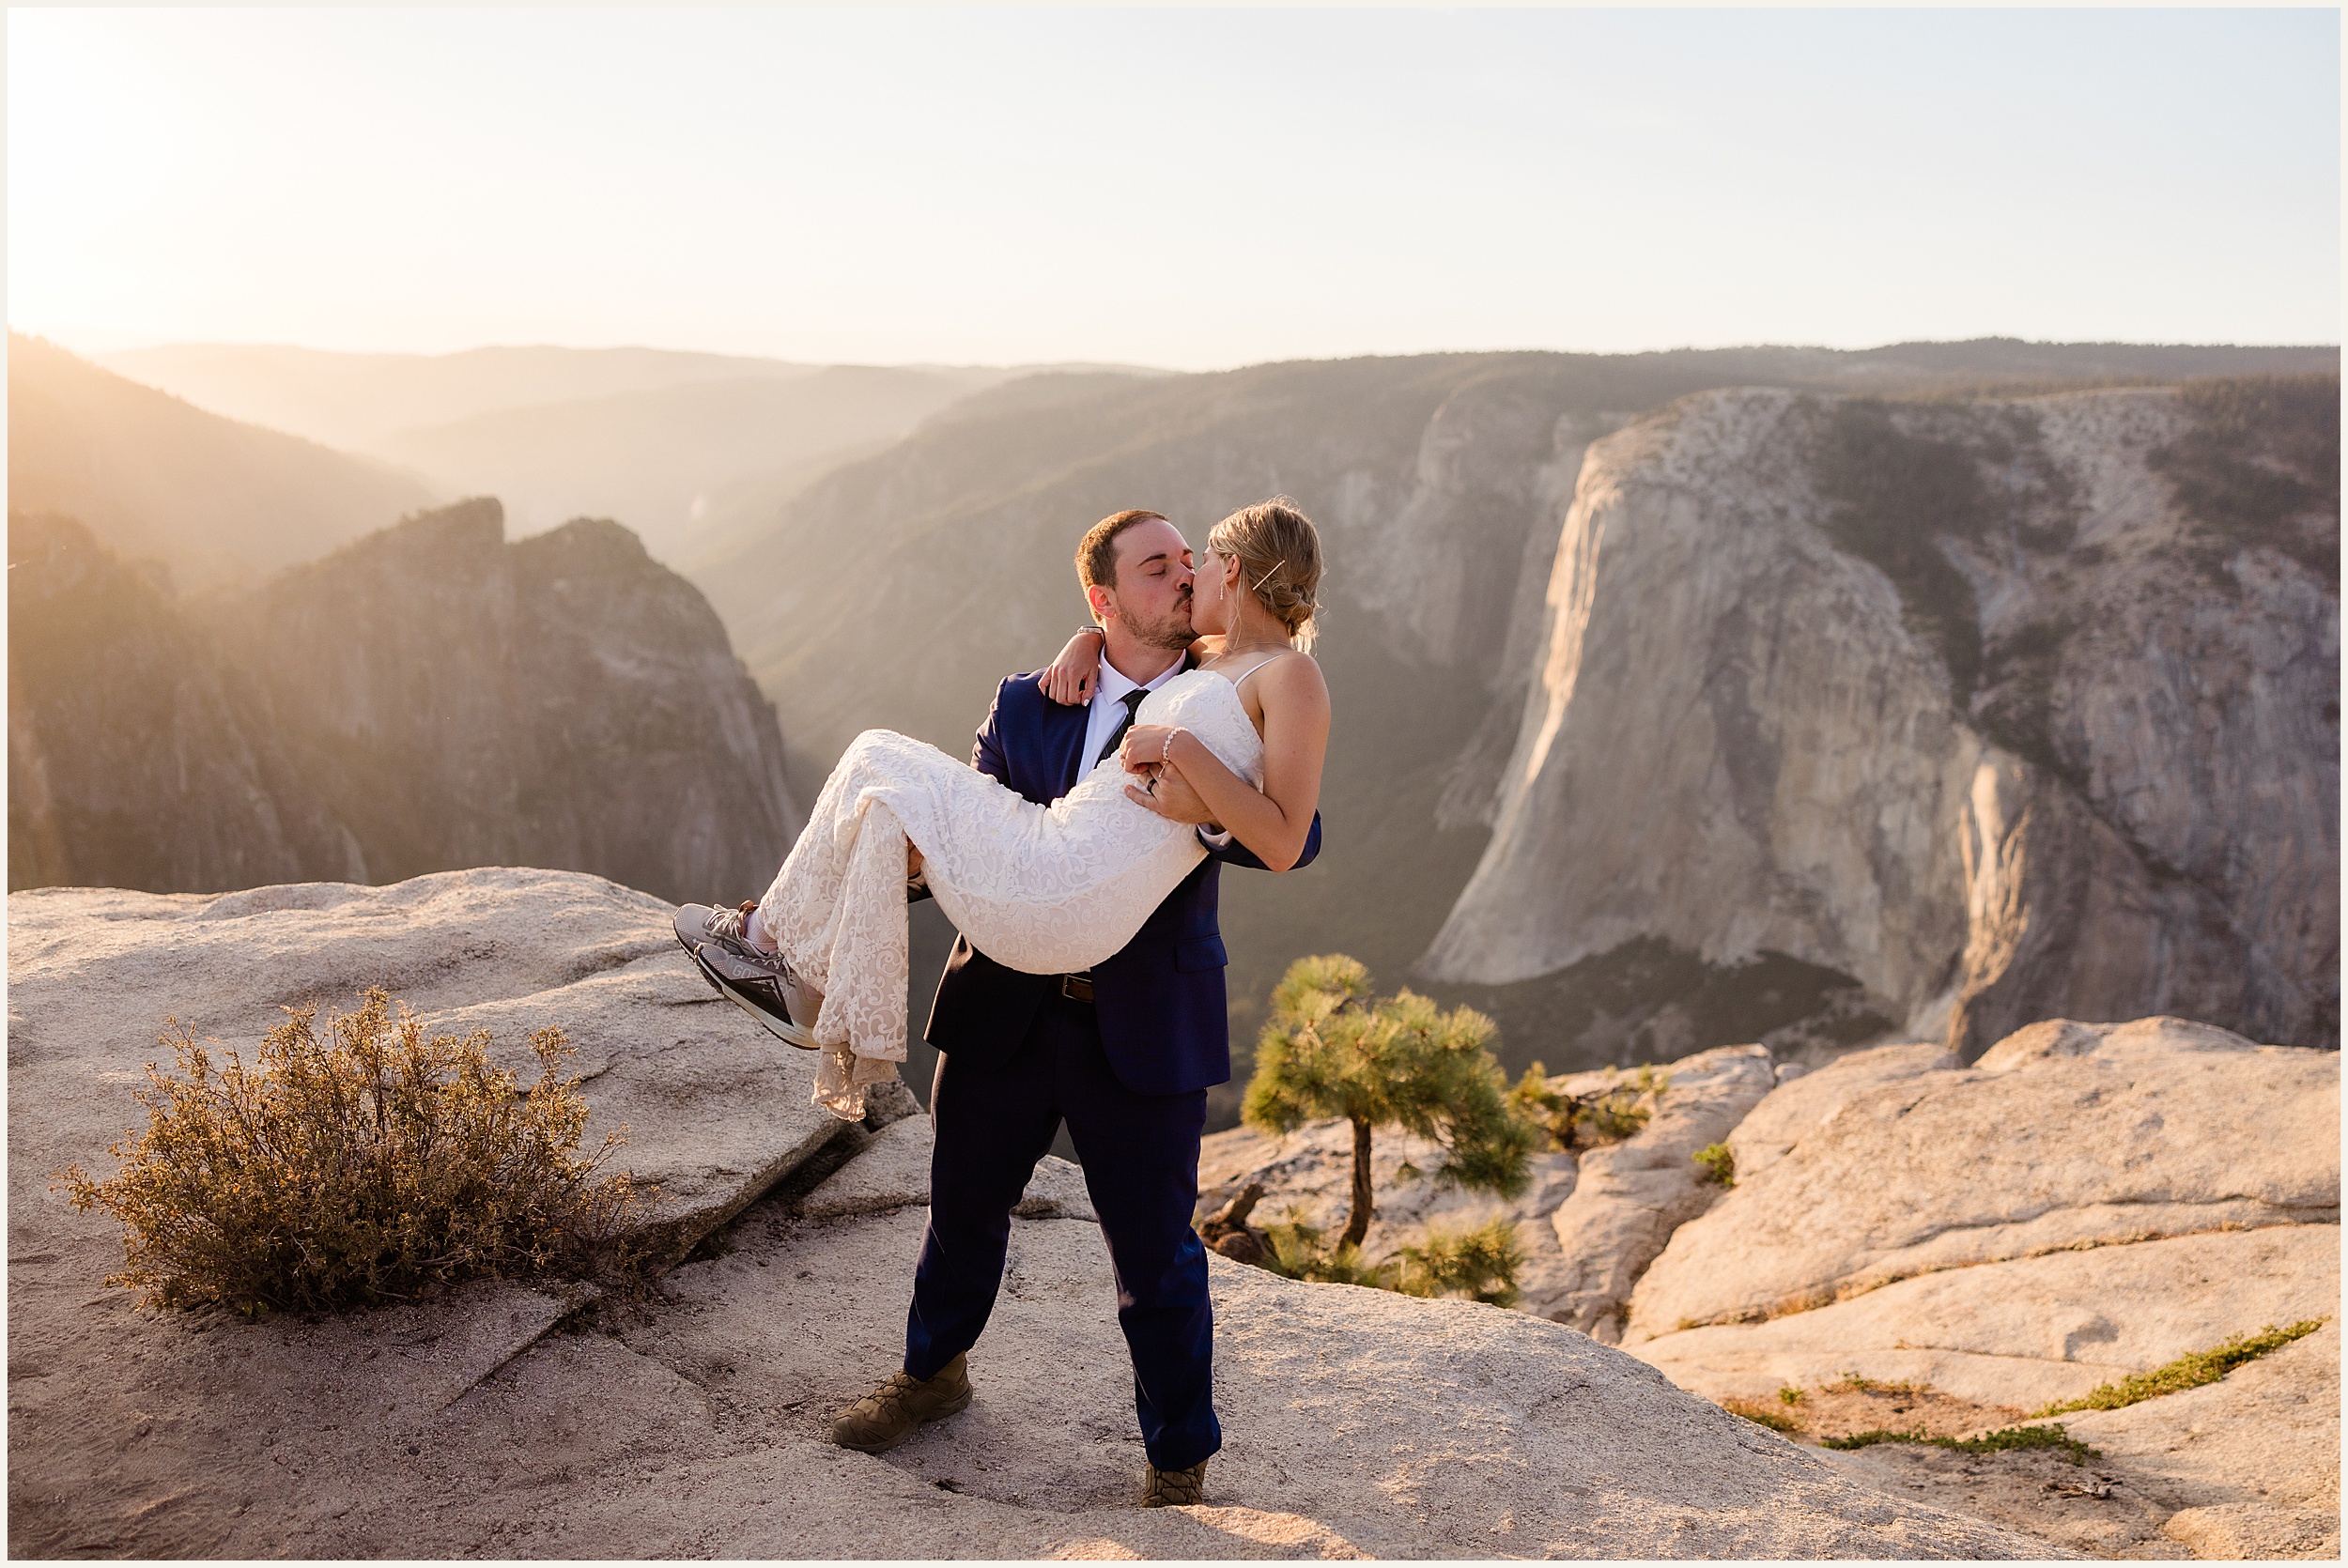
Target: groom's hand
[(1174, 800)]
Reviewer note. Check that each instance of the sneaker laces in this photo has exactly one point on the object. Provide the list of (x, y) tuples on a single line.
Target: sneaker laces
[(731, 929)]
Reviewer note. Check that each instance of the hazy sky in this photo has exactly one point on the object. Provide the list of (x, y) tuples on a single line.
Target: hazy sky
[(1192, 189)]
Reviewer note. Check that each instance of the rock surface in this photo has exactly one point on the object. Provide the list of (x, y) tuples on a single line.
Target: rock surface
[(2037, 754), (1588, 1223), (2156, 1128), (2088, 1202), (892, 1172), (168, 774), (2246, 1468), (2252, 1463), (715, 1109), (2027, 1333), (1782, 1119), (2045, 1121), (1358, 1422), (560, 700), (1687, 584), (1631, 1196)]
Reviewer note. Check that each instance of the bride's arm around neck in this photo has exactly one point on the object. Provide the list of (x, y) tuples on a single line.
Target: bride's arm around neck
[(1275, 822)]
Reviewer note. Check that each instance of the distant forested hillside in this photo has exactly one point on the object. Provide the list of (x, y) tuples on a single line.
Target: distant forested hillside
[(676, 446), (354, 401)]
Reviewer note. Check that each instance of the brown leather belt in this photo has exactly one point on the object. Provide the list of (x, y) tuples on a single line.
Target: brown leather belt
[(1076, 988)]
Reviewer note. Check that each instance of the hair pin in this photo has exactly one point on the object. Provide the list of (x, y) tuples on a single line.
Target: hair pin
[(1268, 576)]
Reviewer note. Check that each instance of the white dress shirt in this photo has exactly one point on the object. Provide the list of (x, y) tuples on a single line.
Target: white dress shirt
[(1108, 705)]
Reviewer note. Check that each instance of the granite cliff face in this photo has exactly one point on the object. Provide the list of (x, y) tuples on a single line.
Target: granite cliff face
[(428, 698), (1965, 714), (137, 756), (560, 700)]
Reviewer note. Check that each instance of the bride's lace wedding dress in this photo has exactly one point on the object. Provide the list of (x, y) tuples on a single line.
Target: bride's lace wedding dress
[(1044, 890)]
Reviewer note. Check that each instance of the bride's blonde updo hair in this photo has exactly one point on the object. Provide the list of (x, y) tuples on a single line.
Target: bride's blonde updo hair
[(1278, 551)]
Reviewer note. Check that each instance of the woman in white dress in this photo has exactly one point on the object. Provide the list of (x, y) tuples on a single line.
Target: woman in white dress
[(1048, 889)]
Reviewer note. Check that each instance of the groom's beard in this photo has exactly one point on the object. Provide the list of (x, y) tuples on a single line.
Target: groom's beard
[(1173, 634)]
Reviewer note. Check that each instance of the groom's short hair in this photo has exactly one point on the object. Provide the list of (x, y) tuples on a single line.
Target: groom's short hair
[(1096, 553)]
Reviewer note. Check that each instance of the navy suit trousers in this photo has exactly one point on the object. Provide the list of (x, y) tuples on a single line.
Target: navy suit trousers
[(1140, 1155)]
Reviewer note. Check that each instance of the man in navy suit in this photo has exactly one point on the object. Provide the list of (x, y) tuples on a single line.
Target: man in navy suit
[(1123, 1054)]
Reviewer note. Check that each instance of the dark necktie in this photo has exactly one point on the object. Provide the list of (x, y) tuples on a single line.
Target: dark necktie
[(1132, 705)]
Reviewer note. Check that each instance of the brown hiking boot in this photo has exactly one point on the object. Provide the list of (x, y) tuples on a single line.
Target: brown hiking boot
[(1174, 1488), (893, 1412)]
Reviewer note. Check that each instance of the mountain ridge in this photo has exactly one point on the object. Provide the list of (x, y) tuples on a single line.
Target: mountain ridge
[(216, 500)]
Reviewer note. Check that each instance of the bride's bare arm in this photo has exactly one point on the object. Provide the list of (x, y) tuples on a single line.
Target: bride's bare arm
[(1274, 821), (1071, 676)]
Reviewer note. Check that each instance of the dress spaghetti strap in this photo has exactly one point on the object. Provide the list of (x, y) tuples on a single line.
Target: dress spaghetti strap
[(1268, 658)]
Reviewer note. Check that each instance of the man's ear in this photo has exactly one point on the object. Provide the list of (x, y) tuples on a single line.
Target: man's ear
[(1102, 601)]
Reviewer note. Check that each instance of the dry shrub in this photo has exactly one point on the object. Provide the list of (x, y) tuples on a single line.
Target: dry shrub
[(369, 1166), (1895, 495), (2260, 465)]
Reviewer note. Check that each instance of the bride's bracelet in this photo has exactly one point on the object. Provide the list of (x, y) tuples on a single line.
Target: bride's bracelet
[(1165, 746)]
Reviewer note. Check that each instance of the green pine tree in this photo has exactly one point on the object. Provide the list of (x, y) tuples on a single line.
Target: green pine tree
[(1330, 1050)]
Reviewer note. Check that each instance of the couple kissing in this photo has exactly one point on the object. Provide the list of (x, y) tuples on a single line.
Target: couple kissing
[(1077, 853)]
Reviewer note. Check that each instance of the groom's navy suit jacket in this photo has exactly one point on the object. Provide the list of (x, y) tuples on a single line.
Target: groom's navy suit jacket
[(1165, 1025)]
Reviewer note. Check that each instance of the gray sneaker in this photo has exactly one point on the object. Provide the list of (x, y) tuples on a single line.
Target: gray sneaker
[(760, 983)]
